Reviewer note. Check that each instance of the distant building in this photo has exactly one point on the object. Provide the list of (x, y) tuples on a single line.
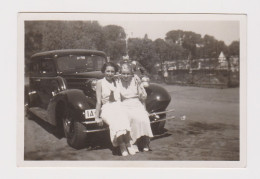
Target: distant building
[(222, 60), (199, 65), (234, 63)]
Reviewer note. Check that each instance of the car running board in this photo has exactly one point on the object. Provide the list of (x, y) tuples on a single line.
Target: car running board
[(40, 113)]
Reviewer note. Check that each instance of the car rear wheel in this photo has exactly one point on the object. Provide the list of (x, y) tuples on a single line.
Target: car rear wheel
[(74, 132)]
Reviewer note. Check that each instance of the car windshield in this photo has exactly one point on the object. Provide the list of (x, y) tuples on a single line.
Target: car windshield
[(80, 63)]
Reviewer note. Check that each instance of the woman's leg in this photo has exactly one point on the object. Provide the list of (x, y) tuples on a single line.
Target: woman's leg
[(146, 142), (118, 123), (127, 139), (140, 124), (122, 145), (141, 128)]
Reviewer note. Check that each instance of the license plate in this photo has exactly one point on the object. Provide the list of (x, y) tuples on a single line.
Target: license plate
[(90, 113)]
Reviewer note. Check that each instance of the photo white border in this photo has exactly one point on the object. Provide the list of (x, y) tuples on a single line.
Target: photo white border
[(162, 164)]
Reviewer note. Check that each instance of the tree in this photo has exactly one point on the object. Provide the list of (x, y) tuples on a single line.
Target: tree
[(176, 51), (53, 35), (115, 49), (115, 44), (114, 32), (72, 34), (33, 38), (233, 48), (210, 44), (186, 39), (161, 49), (176, 36), (33, 43), (212, 47), (143, 50)]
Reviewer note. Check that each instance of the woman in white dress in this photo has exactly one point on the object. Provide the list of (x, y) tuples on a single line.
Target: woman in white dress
[(109, 110), (133, 97)]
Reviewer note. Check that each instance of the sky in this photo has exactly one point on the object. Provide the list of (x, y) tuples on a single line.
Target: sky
[(226, 31)]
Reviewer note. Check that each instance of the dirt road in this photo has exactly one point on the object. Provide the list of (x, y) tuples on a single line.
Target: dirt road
[(210, 132)]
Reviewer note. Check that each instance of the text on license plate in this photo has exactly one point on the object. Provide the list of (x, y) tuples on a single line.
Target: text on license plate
[(90, 113)]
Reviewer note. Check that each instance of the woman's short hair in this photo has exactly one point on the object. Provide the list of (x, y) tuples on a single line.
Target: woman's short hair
[(126, 65), (103, 69)]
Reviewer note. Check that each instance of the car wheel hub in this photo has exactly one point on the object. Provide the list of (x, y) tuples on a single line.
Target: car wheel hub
[(67, 125)]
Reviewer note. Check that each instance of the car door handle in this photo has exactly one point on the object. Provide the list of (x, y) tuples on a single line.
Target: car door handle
[(38, 80)]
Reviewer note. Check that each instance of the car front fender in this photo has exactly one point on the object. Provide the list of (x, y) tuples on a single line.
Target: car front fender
[(72, 99), (157, 98)]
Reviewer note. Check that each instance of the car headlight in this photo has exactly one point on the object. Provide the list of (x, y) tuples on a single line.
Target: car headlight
[(145, 81), (92, 83)]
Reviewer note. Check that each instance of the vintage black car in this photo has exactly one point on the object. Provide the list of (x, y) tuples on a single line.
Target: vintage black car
[(61, 91)]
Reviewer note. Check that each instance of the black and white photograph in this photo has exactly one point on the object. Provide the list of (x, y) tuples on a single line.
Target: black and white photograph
[(162, 89)]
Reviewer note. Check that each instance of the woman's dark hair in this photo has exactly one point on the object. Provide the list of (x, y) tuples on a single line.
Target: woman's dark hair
[(103, 69)]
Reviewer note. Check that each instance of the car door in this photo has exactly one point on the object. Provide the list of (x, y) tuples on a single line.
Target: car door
[(34, 84), (49, 83)]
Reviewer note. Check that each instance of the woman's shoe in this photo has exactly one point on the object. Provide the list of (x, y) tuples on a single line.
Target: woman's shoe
[(136, 148), (123, 150), (146, 142), (130, 149), (146, 149)]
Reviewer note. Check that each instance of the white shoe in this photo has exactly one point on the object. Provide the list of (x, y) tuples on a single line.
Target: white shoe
[(123, 150), (136, 148), (146, 149), (130, 149)]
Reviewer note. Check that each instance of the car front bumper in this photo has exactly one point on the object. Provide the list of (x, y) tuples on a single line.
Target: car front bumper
[(154, 118)]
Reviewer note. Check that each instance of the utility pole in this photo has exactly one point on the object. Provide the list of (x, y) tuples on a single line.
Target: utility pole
[(126, 45), (190, 61)]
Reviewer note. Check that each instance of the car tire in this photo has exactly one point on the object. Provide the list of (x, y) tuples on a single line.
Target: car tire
[(76, 137)]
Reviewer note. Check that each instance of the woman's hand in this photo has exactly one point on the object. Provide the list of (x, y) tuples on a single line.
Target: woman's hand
[(99, 121), (117, 76), (112, 88), (98, 104)]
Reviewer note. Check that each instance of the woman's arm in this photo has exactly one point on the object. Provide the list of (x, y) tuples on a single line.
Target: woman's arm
[(98, 105), (141, 90), (116, 91)]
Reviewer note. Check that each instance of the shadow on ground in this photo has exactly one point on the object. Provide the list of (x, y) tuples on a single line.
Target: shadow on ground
[(95, 142)]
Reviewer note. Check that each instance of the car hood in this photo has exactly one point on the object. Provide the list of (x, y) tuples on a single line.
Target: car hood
[(94, 74)]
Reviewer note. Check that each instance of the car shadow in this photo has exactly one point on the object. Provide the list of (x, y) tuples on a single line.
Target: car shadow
[(96, 141), (161, 134), (45, 125), (102, 140)]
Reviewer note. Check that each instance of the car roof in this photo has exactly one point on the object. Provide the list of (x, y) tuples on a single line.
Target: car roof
[(51, 54)]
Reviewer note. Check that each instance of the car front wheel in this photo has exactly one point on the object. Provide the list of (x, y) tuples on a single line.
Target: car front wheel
[(74, 132)]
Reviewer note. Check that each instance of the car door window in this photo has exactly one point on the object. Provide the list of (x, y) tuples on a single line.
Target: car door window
[(47, 68), (35, 69), (80, 63)]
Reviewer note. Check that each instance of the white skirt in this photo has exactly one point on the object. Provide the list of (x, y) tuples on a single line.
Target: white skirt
[(139, 119), (114, 115)]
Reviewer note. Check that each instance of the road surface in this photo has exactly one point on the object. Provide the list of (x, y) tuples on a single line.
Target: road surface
[(209, 132)]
